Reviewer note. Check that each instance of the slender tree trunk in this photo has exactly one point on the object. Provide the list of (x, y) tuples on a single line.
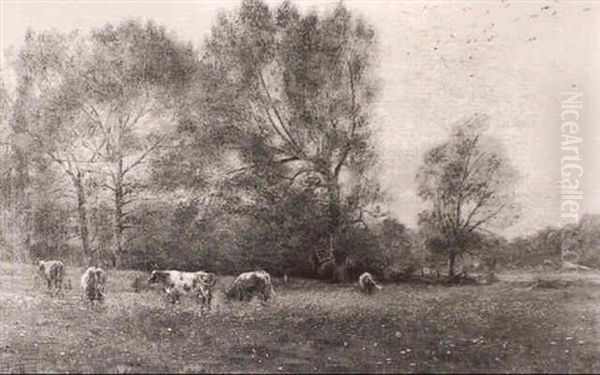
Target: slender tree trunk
[(451, 266), (82, 217), (118, 215), (26, 207), (334, 229), (30, 235)]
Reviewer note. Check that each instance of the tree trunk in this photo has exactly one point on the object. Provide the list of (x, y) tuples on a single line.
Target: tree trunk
[(82, 217), (118, 216), (24, 213), (451, 275), (334, 213)]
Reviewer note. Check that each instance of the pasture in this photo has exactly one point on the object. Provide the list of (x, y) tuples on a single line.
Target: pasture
[(308, 327)]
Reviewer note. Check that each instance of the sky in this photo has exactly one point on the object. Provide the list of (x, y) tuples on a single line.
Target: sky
[(438, 63)]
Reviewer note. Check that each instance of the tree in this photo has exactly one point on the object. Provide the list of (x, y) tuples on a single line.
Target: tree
[(467, 181), (7, 165), (134, 77), (291, 94), (99, 106), (49, 68)]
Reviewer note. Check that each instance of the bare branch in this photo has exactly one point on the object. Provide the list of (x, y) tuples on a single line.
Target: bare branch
[(144, 155), (486, 219), (348, 146), (277, 114), (109, 187), (479, 204)]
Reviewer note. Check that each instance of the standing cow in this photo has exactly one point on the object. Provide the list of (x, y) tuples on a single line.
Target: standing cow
[(93, 282), (53, 271), (367, 284), (250, 284), (177, 283)]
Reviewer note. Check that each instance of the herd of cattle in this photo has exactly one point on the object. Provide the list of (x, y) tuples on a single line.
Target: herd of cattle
[(177, 283)]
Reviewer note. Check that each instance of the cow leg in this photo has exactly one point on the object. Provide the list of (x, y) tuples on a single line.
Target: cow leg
[(265, 296), (204, 300), (204, 305), (169, 297), (174, 296), (60, 288)]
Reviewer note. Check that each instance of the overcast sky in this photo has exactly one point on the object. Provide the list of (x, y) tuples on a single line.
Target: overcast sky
[(439, 62)]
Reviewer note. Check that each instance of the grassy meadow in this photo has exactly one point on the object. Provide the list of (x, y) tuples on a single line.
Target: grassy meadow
[(308, 327)]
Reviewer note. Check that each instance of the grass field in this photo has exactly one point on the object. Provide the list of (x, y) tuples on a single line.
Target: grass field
[(309, 327)]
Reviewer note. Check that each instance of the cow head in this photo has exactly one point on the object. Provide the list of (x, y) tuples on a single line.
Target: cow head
[(100, 276), (41, 266), (157, 277), (209, 279), (233, 293)]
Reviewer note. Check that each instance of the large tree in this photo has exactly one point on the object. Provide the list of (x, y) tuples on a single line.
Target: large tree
[(467, 181), (291, 93), (10, 170), (49, 112), (132, 83), (101, 104)]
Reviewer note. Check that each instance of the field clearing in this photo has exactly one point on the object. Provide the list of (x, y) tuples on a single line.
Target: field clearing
[(309, 327)]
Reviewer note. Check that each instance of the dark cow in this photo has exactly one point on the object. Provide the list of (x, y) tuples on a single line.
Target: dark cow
[(53, 271), (93, 282), (250, 284), (367, 283), (177, 283)]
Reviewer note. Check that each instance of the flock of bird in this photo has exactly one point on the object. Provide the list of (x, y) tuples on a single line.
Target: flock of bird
[(487, 34)]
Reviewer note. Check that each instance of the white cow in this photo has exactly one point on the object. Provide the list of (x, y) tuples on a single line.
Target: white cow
[(177, 283), (367, 284)]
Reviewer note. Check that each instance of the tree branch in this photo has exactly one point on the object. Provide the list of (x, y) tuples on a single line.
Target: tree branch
[(485, 219), (479, 204), (144, 155), (277, 114), (348, 146)]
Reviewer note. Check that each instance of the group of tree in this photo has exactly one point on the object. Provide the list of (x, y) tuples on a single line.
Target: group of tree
[(577, 243), (129, 147)]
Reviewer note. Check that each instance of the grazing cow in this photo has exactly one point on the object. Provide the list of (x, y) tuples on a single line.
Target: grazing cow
[(53, 271), (250, 284), (176, 283), (93, 282), (367, 283)]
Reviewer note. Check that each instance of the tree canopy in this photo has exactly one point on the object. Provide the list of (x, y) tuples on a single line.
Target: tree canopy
[(467, 181), (291, 94)]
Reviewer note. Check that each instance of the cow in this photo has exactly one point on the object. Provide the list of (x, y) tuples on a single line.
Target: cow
[(250, 284), (93, 282), (177, 283), (53, 271), (367, 284)]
